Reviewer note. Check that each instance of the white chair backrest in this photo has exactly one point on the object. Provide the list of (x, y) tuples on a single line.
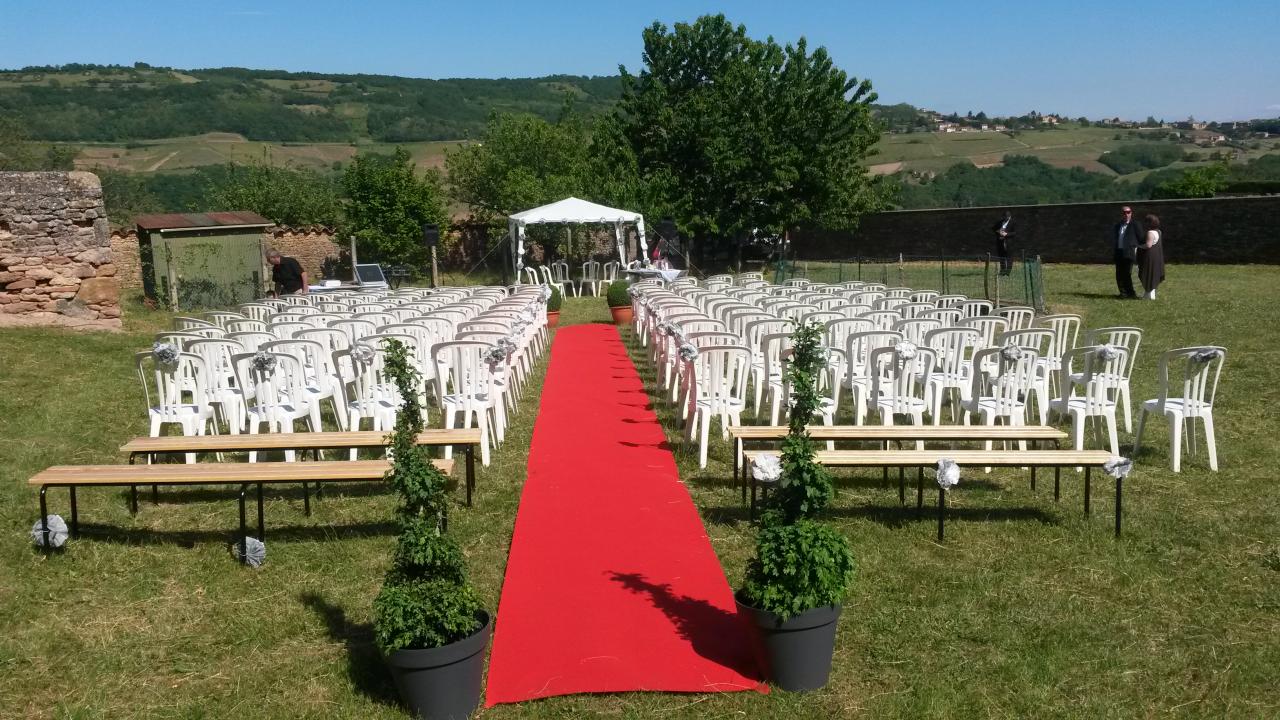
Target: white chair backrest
[(898, 380), (169, 389), (1129, 338), (955, 347), (251, 341), (988, 326), (1191, 375), (1011, 379), (975, 308), (915, 330), (1019, 317), (1099, 376), (860, 345), (1065, 329), (354, 329)]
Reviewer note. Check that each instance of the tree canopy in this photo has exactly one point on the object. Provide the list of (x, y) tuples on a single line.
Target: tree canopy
[(388, 203), (735, 134)]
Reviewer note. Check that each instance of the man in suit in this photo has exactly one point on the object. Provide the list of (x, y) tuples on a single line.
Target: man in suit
[(1124, 243), (1004, 230)]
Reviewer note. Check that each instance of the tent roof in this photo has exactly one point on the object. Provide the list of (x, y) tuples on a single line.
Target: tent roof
[(573, 210)]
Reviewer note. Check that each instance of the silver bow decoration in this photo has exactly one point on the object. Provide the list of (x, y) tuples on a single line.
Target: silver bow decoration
[(58, 533), (688, 352), (545, 294), (254, 554), (905, 350), (264, 362), (948, 473), (495, 356), (1108, 352), (1118, 467), (1011, 352), (363, 353), (165, 353), (1205, 356), (767, 468)]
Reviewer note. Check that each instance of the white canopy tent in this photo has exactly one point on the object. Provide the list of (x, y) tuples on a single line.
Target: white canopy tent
[(574, 210)]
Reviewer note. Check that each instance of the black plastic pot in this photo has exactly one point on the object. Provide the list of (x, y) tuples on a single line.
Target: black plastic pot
[(795, 653), (442, 683)]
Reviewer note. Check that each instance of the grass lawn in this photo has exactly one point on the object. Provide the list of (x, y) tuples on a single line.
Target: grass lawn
[(1029, 609)]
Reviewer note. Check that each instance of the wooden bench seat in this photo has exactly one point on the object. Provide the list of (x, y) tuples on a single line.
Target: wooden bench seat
[(467, 438), (884, 434), (242, 474), (920, 459)]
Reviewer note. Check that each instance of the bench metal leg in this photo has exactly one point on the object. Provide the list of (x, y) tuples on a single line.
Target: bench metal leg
[(1033, 478), (44, 519), (262, 526), (751, 514), (75, 513), (1088, 481), (919, 490), (1119, 493), (1057, 483), (306, 499), (133, 499), (902, 486), (470, 454), (942, 504), (155, 494), (244, 528), (737, 449)]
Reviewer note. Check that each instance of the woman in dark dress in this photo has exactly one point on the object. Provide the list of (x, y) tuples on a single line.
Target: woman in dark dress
[(1151, 257)]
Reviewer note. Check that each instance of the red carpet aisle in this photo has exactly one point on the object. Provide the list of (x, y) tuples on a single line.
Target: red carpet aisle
[(611, 583)]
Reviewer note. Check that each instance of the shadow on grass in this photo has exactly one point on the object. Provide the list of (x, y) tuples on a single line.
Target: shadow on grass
[(365, 668), (189, 538), (715, 634), (893, 516)]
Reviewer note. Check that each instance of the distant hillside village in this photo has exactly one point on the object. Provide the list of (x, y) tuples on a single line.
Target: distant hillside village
[(905, 119)]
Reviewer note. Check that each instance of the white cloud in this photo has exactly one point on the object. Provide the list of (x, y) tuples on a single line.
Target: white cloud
[(1275, 106)]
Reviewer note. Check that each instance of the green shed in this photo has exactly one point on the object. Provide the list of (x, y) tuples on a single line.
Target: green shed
[(202, 260)]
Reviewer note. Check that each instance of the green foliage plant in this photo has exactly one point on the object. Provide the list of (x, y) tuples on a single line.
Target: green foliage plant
[(388, 203), (617, 295), (556, 299), (800, 563), (425, 601)]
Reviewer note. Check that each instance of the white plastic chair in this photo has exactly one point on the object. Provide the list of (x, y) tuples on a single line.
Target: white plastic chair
[(468, 393), (898, 385), (1129, 338), (720, 391), (1003, 394), (1186, 396), (176, 394), (1097, 380), (276, 399)]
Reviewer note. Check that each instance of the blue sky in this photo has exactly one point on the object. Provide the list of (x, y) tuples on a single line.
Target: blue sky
[(1169, 59)]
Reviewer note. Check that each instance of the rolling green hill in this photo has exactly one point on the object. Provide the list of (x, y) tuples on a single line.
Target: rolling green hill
[(96, 104)]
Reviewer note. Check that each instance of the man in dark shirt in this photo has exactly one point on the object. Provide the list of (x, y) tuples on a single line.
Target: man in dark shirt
[(1004, 231), (287, 274)]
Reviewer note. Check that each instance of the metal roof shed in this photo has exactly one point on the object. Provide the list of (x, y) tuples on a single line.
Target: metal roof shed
[(202, 260)]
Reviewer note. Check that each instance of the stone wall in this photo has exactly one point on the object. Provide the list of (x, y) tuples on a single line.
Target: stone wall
[(1217, 230), (55, 252), (310, 246)]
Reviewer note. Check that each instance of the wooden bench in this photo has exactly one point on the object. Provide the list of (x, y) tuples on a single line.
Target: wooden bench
[(466, 438), (242, 474), (884, 434), (919, 459)]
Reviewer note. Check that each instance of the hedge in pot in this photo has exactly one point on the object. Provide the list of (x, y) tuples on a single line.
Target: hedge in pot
[(619, 301), (553, 307), (427, 619), (802, 568)]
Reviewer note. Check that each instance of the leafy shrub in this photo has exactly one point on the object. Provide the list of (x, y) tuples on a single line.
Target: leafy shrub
[(617, 295), (799, 567), (799, 564), (1132, 158), (425, 600), (557, 298)]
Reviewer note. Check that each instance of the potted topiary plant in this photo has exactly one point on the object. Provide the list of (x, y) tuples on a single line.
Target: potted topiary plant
[(428, 622), (553, 307), (802, 568), (619, 302)]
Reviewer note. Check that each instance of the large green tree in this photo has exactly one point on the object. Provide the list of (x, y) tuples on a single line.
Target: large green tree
[(521, 161), (388, 203), (736, 134), (289, 196)]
